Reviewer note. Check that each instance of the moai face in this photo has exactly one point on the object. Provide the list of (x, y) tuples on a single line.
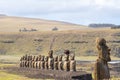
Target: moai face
[(39, 57), (50, 53), (33, 59), (46, 59), (42, 58), (72, 57), (56, 58), (60, 58)]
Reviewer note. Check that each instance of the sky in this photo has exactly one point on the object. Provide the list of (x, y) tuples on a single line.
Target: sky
[(81, 12)]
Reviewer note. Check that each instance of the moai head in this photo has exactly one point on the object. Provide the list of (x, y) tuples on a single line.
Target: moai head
[(50, 53), (42, 58), (66, 52), (36, 58), (72, 57), (26, 57), (103, 49), (56, 58), (39, 57), (60, 58), (33, 58), (46, 59)]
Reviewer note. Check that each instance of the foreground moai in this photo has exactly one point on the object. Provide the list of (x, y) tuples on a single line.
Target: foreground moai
[(101, 70), (66, 64), (50, 60), (72, 63)]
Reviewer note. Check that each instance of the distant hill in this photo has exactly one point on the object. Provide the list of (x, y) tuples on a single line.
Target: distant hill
[(94, 25), (13, 24), (2, 15)]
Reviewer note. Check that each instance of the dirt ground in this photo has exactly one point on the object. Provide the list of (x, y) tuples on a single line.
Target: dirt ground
[(84, 71), (49, 74)]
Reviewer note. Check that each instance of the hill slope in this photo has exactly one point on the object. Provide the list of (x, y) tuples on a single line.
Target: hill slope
[(13, 24)]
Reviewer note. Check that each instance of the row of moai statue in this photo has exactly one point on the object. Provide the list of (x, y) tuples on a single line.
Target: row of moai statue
[(49, 62)]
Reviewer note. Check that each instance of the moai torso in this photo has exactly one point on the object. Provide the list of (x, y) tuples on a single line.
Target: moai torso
[(51, 60), (72, 64), (66, 64), (101, 70), (56, 63)]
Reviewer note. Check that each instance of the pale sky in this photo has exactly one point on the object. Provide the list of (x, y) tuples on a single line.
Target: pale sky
[(74, 11)]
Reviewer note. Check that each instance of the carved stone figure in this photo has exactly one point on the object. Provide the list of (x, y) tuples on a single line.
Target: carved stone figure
[(42, 62), (72, 63), (66, 64), (36, 62), (46, 62), (33, 62), (60, 63), (101, 69), (39, 62), (56, 63), (50, 60), (21, 61)]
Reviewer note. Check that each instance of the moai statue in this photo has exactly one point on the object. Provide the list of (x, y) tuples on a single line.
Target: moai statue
[(26, 58), (46, 62), (21, 61), (50, 60), (30, 61), (66, 64), (36, 61), (72, 63), (27, 61), (60, 63), (39, 61), (33, 61), (56, 63), (42, 62), (101, 69)]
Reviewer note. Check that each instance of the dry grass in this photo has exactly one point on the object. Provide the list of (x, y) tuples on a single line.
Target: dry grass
[(82, 43)]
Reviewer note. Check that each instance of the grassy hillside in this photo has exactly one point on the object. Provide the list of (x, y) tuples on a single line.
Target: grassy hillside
[(82, 43), (13, 24)]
